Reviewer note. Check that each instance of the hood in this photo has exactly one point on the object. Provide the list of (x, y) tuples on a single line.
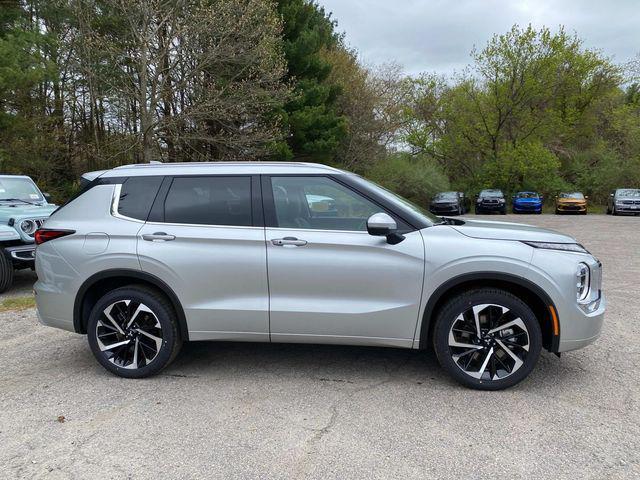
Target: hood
[(510, 231), (572, 200), (527, 200), (444, 201), (23, 210)]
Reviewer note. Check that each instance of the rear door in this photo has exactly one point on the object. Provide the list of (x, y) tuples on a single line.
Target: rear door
[(329, 280), (205, 238)]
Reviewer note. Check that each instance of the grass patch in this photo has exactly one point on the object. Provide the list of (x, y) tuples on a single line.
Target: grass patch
[(17, 303)]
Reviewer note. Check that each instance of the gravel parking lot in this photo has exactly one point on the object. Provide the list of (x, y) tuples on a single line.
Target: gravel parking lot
[(300, 411)]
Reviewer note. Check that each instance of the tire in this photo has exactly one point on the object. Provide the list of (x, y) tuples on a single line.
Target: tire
[(614, 212), (476, 211), (6, 273), (154, 330), (503, 212), (557, 212), (489, 362)]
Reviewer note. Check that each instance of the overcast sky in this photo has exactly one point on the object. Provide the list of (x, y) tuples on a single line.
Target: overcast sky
[(437, 35)]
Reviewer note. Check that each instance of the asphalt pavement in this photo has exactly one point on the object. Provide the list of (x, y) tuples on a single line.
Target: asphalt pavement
[(228, 411)]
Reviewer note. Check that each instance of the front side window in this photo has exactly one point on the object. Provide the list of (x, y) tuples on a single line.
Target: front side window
[(212, 200), (319, 203)]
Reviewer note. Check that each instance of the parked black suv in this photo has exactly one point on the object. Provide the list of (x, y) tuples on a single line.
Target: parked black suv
[(450, 203), (491, 201)]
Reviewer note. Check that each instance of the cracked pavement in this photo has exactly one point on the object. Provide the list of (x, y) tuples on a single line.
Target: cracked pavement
[(230, 411)]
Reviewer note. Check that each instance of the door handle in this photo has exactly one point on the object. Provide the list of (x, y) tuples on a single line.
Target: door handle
[(158, 236), (293, 241)]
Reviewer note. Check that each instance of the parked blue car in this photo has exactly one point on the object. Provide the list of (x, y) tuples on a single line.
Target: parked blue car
[(527, 202)]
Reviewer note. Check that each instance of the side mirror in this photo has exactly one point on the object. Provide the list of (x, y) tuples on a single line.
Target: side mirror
[(611, 195), (382, 225), (47, 197), (586, 197)]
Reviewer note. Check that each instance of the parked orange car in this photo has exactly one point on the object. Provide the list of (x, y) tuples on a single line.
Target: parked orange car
[(571, 202)]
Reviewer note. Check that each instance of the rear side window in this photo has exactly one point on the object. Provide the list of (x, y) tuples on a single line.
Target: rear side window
[(137, 195), (212, 200)]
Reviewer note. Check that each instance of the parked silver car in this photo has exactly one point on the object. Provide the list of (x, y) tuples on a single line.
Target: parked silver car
[(150, 256)]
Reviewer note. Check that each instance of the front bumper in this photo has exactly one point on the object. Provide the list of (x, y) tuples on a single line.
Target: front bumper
[(579, 328), (21, 253), (527, 208), (633, 209), (571, 208), (491, 207), (444, 209)]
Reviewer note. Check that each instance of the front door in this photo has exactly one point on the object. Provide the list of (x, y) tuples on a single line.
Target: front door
[(329, 280), (205, 241)]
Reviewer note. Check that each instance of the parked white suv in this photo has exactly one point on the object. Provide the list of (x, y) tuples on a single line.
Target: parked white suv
[(147, 257)]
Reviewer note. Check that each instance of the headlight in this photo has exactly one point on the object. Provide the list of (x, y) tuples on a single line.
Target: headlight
[(583, 274), (619, 202), (28, 226), (501, 201), (565, 247)]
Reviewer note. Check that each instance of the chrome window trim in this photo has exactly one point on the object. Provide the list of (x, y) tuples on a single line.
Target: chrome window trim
[(364, 232), (115, 201), (205, 225)]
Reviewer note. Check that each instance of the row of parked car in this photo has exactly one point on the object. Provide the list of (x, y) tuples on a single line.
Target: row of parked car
[(621, 201)]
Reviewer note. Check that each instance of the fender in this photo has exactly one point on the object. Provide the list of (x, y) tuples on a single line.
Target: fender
[(134, 275), (441, 291)]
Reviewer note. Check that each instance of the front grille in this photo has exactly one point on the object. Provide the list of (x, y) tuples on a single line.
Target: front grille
[(631, 202), (571, 207)]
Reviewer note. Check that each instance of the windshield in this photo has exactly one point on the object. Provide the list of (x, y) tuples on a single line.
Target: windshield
[(628, 193), (575, 195), (21, 188), (452, 196), (491, 193), (527, 195)]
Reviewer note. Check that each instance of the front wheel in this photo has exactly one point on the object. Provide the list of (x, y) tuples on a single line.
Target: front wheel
[(487, 339), (133, 331), (6, 273)]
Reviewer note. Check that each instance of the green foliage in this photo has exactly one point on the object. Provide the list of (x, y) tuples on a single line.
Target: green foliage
[(526, 167), (315, 127), (537, 111), (417, 178)]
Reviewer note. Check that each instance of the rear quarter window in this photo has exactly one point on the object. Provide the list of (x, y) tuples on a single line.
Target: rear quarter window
[(137, 195)]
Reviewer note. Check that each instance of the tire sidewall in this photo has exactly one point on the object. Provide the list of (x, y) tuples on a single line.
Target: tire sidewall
[(165, 317), (456, 306)]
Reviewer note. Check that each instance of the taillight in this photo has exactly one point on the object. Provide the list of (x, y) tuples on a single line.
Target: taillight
[(45, 234)]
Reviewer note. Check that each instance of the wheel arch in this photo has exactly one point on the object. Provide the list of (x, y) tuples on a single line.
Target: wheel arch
[(102, 282), (534, 296)]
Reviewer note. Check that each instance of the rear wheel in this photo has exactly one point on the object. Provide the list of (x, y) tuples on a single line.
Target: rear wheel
[(487, 339), (133, 331), (6, 273)]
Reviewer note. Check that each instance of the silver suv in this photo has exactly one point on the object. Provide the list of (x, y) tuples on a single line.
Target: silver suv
[(147, 257)]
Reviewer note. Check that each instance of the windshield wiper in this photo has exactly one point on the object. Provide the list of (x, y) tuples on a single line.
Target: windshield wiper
[(16, 200)]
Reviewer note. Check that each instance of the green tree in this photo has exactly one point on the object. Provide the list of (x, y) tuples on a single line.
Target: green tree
[(311, 119)]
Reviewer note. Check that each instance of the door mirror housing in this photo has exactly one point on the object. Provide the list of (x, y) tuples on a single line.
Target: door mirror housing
[(382, 225), (47, 197)]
